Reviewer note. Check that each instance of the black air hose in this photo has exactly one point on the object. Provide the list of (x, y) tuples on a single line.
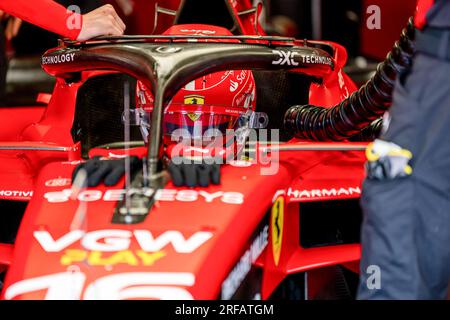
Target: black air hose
[(369, 133), (359, 110)]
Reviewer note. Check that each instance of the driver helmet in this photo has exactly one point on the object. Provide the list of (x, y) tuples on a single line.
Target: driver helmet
[(209, 106)]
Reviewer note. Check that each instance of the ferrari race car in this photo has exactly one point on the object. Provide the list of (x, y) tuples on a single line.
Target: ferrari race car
[(283, 220)]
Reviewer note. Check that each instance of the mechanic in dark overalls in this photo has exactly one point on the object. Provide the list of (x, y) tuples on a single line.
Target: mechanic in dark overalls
[(406, 195)]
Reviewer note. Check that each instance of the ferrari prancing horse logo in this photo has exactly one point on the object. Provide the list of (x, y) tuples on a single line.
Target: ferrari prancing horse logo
[(194, 99), (194, 116), (277, 222)]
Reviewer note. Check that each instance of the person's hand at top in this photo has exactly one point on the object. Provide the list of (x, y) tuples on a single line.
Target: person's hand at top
[(103, 21), (68, 23)]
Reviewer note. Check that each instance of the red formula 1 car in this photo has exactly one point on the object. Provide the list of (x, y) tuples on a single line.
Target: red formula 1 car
[(283, 223)]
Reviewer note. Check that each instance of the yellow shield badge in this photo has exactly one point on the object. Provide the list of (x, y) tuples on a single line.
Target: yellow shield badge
[(194, 116), (194, 99), (277, 222)]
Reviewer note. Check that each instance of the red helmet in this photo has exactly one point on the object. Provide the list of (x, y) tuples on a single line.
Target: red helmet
[(209, 106)]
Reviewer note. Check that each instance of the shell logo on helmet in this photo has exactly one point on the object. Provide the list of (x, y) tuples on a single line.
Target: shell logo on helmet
[(233, 86)]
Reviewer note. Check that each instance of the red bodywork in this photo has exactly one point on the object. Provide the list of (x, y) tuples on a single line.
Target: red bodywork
[(191, 241)]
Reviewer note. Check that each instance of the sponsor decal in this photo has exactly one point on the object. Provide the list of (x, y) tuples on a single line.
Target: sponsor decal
[(247, 97), (58, 182), (194, 116), (115, 240), (165, 195), (15, 193), (233, 86), (240, 78), (277, 224), (248, 100), (194, 99), (199, 32), (167, 49), (313, 59), (237, 276), (98, 258), (241, 163), (61, 58), (285, 58), (144, 95), (71, 285), (298, 195)]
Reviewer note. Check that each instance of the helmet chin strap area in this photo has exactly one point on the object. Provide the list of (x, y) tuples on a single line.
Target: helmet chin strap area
[(226, 147)]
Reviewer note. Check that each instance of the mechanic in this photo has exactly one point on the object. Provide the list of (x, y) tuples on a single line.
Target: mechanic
[(54, 17), (406, 195)]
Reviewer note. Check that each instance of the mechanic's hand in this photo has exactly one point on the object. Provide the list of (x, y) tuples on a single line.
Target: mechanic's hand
[(107, 171), (187, 173), (103, 21)]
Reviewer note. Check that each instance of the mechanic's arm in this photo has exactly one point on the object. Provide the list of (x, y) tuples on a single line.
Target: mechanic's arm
[(52, 16)]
